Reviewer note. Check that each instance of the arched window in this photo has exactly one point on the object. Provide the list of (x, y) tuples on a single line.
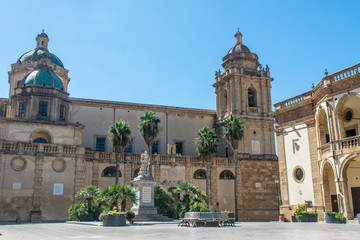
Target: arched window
[(226, 174), (40, 140), (110, 172), (252, 97), (136, 173), (200, 174)]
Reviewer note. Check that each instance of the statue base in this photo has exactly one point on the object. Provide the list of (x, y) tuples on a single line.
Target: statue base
[(145, 209)]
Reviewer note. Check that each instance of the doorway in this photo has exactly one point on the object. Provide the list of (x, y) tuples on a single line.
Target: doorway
[(334, 203), (355, 191)]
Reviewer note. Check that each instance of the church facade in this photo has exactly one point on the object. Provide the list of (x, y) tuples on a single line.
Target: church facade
[(51, 145), (318, 146)]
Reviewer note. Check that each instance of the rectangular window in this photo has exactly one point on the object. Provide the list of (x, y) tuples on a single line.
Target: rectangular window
[(179, 148), (62, 113), (18, 84), (351, 133), (100, 144), (43, 109), (21, 110), (128, 149), (155, 148), (327, 138)]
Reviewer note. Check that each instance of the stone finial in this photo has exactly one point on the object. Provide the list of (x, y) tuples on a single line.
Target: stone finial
[(326, 72), (42, 31), (267, 68), (260, 67), (238, 37), (312, 86)]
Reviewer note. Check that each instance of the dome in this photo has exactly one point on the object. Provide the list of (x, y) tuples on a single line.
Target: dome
[(42, 77), (33, 55), (239, 48)]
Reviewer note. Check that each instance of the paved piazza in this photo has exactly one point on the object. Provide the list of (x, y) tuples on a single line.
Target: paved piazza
[(247, 230)]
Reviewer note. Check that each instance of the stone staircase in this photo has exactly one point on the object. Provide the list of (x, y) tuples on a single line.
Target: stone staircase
[(151, 217)]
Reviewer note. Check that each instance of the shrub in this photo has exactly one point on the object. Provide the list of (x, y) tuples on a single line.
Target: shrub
[(130, 215), (199, 207), (341, 217), (164, 202), (299, 210), (215, 210), (78, 211)]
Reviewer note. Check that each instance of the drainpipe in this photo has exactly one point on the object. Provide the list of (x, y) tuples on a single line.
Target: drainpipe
[(339, 195)]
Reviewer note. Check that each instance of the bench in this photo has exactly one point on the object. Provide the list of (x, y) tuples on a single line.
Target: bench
[(216, 219)]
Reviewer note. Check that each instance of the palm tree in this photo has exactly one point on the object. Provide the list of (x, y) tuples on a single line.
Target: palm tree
[(190, 194), (120, 138), (89, 193), (206, 142), (111, 195), (233, 133), (149, 129), (127, 194)]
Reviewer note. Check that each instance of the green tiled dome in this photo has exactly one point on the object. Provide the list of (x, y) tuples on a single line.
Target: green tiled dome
[(33, 55), (42, 77)]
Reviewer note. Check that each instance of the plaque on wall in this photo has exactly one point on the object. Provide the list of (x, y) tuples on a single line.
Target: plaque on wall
[(255, 146), (257, 184), (58, 189), (146, 195), (16, 185)]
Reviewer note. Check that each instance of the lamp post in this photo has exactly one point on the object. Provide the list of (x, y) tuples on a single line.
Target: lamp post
[(278, 195)]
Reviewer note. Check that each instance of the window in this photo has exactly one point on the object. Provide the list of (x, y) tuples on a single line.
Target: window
[(40, 140), (351, 133), (179, 148), (128, 149), (21, 110), (348, 115), (327, 138), (110, 172), (200, 174), (226, 152), (18, 84), (155, 148), (62, 113), (226, 174), (100, 144), (251, 98), (298, 174), (43, 109)]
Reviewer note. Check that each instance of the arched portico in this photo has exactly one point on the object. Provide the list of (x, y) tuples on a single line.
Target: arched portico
[(350, 183), (329, 188)]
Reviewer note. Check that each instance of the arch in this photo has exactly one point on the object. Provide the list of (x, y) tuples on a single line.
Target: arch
[(226, 175), (41, 135), (251, 93), (136, 172), (40, 140), (348, 125), (200, 174), (322, 126), (110, 172), (329, 187)]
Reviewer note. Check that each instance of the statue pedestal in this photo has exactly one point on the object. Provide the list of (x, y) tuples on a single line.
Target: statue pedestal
[(145, 210)]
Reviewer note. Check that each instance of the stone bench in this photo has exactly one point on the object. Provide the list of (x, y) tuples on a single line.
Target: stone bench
[(211, 219)]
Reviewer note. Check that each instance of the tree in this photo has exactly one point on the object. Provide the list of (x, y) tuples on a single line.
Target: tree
[(149, 129), (206, 142), (190, 194), (233, 133), (89, 193), (111, 195), (164, 202), (120, 138)]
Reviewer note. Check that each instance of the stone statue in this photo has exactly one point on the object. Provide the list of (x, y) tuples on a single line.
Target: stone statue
[(145, 160)]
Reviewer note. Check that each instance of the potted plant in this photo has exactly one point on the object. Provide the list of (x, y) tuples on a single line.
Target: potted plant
[(130, 215), (230, 214), (301, 214), (114, 218), (340, 218), (330, 217)]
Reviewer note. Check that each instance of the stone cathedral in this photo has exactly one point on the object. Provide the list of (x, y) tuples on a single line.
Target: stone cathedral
[(51, 144)]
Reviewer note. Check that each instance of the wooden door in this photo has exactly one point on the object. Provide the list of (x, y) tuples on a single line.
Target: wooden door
[(334, 203)]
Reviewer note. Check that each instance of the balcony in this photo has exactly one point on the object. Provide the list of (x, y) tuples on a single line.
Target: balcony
[(340, 147)]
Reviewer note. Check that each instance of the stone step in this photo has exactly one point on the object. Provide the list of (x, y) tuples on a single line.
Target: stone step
[(152, 217)]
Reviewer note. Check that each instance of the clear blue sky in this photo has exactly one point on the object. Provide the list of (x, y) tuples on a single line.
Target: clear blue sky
[(166, 52)]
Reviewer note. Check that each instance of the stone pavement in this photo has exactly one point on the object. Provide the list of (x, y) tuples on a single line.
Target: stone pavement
[(159, 231)]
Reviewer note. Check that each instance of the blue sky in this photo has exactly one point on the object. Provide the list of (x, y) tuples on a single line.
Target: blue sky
[(166, 52)]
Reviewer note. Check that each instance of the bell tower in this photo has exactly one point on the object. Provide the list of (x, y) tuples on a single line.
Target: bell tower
[(243, 89)]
